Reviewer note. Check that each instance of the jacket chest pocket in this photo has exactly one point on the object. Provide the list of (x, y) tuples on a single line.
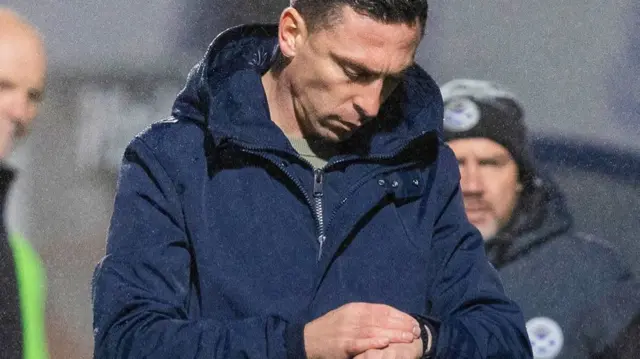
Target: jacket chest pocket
[(408, 201), (386, 213)]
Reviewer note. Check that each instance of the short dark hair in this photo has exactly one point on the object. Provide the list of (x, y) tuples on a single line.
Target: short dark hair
[(320, 13)]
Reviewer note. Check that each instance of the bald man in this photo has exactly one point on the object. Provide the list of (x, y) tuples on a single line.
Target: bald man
[(22, 77)]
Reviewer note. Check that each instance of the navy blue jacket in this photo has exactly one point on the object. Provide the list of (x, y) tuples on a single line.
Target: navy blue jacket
[(224, 242)]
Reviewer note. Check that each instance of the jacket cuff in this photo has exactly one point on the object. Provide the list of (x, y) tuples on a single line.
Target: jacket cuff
[(294, 341)]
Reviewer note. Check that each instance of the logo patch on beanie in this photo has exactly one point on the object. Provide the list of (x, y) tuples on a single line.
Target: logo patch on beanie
[(461, 115)]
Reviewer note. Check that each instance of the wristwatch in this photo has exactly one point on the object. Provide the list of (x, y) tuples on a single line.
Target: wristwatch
[(429, 334)]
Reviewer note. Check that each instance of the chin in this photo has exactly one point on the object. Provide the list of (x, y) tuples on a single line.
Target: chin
[(488, 230), (329, 136)]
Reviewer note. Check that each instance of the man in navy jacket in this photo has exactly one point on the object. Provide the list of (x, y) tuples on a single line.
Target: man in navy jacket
[(300, 202)]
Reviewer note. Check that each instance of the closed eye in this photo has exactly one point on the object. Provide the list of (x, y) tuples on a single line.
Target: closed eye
[(358, 75), (5, 85), (35, 96)]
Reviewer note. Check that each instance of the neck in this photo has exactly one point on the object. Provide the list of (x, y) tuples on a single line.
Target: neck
[(279, 98)]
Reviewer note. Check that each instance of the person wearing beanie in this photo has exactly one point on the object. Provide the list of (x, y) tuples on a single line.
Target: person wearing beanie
[(554, 273)]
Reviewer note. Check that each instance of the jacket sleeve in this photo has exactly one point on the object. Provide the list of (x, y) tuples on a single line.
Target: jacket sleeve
[(142, 289), (477, 319)]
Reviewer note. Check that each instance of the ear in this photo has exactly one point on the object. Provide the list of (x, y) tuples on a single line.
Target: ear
[(292, 32), (519, 187)]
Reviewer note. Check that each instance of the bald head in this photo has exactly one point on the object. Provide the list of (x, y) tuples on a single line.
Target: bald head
[(22, 77), (13, 25)]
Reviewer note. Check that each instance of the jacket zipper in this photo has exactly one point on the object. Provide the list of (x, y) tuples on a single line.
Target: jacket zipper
[(316, 202), (318, 182)]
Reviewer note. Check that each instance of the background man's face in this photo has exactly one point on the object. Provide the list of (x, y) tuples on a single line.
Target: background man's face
[(342, 73), (489, 181), (22, 73)]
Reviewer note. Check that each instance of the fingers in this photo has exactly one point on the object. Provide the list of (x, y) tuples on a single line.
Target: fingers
[(370, 354), (394, 335), (384, 316), (370, 327), (393, 351), (360, 346)]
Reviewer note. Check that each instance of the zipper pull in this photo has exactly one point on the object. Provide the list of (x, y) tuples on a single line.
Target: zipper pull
[(321, 239), (318, 181)]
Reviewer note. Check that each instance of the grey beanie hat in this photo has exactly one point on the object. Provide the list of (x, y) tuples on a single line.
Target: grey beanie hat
[(475, 108)]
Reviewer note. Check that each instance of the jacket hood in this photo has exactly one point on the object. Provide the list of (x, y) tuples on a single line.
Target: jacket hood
[(224, 94)]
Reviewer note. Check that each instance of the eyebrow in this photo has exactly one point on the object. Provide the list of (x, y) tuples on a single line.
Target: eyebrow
[(501, 157), (364, 69)]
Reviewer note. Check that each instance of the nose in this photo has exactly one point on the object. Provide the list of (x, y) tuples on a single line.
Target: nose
[(370, 99), (15, 106), (471, 179)]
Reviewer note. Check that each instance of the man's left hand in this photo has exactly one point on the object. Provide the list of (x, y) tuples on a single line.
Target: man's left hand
[(412, 350)]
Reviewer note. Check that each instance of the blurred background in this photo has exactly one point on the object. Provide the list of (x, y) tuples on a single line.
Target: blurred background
[(116, 65)]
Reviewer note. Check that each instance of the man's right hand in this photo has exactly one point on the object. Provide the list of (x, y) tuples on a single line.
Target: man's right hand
[(357, 327)]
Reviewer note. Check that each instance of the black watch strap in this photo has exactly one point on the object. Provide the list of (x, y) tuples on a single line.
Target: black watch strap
[(428, 326)]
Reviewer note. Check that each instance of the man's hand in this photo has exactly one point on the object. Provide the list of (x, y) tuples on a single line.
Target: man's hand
[(355, 328), (395, 351)]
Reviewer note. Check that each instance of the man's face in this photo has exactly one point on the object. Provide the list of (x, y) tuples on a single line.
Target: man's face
[(22, 72), (342, 73), (489, 181)]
